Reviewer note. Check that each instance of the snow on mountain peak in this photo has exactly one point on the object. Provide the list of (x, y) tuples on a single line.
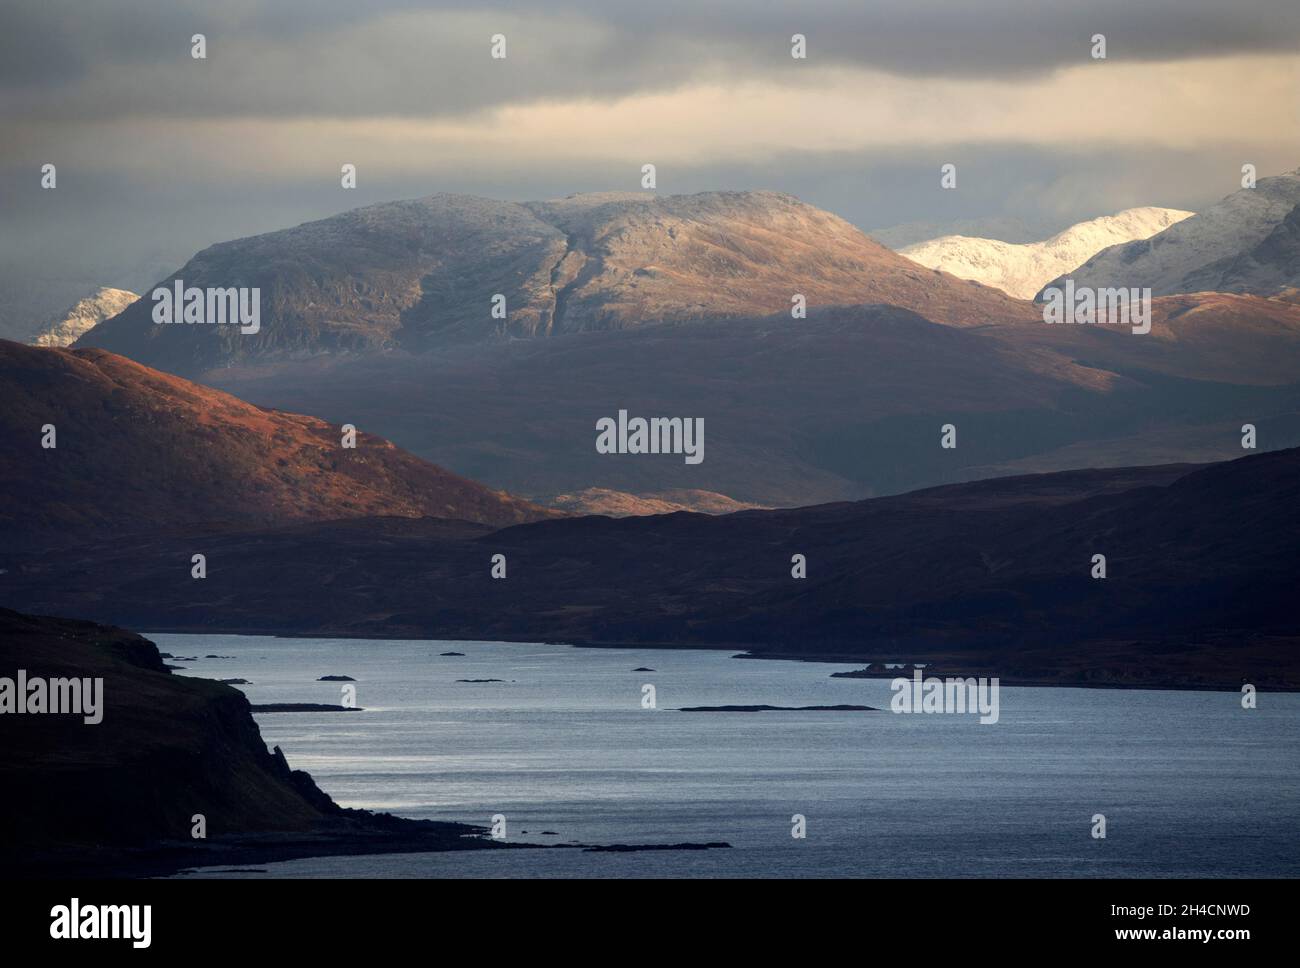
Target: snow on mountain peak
[(1022, 270), (1242, 243), (88, 312)]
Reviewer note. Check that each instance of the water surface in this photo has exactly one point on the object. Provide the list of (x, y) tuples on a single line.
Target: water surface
[(1191, 784)]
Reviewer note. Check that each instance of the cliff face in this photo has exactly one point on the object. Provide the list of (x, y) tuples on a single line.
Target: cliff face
[(167, 748)]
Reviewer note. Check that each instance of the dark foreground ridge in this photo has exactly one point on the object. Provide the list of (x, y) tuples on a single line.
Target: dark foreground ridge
[(119, 797), (988, 578)]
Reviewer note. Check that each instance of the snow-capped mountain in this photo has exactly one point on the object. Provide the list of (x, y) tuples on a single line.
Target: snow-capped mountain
[(1239, 244), (1022, 270), (1269, 268), (67, 327)]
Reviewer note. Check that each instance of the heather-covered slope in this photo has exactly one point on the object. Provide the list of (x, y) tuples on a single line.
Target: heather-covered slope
[(138, 449), (619, 504)]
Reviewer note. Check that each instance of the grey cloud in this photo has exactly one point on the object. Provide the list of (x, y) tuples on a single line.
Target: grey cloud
[(61, 59)]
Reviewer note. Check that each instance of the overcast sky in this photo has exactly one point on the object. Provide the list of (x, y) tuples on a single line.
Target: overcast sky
[(159, 154)]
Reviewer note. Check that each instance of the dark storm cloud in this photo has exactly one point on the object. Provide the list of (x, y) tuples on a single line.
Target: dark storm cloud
[(75, 60)]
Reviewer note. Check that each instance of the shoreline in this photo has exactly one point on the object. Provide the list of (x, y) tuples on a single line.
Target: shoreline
[(394, 835), (371, 835), (940, 664), (1019, 681)]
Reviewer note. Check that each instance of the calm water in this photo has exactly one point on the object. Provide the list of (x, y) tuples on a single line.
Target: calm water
[(1190, 784)]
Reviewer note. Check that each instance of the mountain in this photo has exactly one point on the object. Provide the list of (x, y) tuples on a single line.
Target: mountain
[(1022, 270), (87, 313), (141, 450), (1272, 267), (994, 576), (1229, 247), (422, 274), (640, 260), (843, 404)]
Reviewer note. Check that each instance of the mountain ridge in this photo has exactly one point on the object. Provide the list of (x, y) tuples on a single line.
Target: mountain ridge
[(1021, 270), (422, 273), (1198, 254)]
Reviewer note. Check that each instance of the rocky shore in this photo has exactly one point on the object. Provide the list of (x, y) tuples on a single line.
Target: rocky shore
[(175, 775)]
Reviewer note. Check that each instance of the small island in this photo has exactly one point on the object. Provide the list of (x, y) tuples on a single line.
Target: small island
[(303, 707), (842, 708)]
